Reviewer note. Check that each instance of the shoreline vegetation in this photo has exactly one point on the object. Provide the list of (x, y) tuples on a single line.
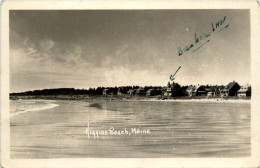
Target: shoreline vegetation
[(172, 92)]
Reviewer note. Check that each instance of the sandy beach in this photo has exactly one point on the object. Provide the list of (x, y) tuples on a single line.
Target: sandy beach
[(177, 129)]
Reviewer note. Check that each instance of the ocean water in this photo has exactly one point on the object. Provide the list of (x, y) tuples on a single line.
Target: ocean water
[(128, 129), (20, 106)]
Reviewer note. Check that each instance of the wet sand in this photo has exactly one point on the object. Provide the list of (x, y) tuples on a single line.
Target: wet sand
[(178, 129)]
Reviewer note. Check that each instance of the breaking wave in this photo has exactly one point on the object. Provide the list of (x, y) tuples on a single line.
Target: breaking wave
[(18, 107)]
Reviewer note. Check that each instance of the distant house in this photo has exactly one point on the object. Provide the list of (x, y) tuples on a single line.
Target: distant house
[(164, 89), (212, 91), (168, 91), (107, 92), (199, 91), (219, 88), (176, 89), (230, 90), (215, 90), (140, 91), (183, 90), (121, 91), (207, 89), (131, 92), (244, 91), (153, 92), (173, 90), (190, 90)]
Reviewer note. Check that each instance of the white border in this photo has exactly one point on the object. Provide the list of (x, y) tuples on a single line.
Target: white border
[(252, 161)]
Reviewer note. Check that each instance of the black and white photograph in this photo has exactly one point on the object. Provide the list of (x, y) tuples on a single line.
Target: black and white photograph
[(130, 83)]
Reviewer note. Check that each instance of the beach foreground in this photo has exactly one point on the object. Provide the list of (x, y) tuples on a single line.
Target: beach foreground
[(147, 128)]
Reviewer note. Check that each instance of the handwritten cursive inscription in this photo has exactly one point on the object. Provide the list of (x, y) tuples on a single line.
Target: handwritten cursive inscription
[(216, 27), (172, 76)]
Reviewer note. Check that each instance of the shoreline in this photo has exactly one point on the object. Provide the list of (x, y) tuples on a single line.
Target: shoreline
[(135, 98), (204, 100)]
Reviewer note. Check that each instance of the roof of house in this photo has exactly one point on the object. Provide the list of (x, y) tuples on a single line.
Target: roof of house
[(230, 85), (191, 87), (221, 87), (213, 88), (150, 90), (244, 88), (131, 90), (175, 85), (198, 87)]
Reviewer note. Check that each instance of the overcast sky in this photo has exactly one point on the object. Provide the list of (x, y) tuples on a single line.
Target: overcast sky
[(82, 49)]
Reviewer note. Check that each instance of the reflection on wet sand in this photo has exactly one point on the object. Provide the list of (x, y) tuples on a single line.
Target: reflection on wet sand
[(177, 129)]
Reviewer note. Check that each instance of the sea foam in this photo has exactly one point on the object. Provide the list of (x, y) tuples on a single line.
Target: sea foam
[(20, 107)]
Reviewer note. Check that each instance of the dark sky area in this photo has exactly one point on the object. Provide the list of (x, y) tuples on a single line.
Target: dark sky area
[(91, 48)]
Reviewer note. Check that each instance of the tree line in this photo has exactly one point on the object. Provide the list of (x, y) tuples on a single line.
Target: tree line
[(90, 91)]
